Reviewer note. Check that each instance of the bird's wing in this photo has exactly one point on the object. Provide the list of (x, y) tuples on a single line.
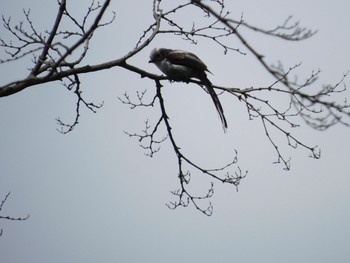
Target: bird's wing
[(185, 58)]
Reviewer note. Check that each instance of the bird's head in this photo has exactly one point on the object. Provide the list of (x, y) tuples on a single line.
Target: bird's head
[(157, 55)]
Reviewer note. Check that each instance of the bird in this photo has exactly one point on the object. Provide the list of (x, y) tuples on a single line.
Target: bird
[(180, 65)]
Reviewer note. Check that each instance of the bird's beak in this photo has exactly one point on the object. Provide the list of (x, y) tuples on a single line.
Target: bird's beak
[(151, 61)]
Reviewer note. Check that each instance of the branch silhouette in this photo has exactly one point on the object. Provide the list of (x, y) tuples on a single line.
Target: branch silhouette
[(9, 217), (58, 56)]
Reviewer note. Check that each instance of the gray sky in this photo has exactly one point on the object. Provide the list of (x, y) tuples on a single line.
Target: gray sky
[(93, 196)]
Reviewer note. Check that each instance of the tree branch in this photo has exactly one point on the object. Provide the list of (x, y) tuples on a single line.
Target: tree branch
[(54, 61), (9, 217)]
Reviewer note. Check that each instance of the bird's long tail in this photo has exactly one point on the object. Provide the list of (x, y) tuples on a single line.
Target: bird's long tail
[(216, 101)]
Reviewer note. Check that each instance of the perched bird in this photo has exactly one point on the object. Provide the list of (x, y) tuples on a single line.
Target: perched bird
[(181, 65)]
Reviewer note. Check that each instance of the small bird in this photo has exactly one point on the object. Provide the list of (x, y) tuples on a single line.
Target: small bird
[(181, 65)]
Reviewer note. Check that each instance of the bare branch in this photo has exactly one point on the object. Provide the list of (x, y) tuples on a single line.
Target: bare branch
[(140, 100), (9, 217), (43, 56), (288, 30), (58, 55), (75, 82), (152, 145), (184, 196)]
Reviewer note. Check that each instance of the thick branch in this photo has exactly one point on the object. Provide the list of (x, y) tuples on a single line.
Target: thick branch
[(43, 56)]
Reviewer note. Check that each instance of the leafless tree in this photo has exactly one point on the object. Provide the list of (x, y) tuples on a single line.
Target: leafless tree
[(54, 56), (9, 217)]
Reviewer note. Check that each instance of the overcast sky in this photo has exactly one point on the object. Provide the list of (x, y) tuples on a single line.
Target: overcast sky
[(93, 196)]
